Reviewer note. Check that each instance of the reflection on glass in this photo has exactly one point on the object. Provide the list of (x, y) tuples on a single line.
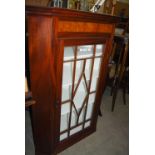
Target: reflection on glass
[(99, 49), (96, 69), (85, 51)]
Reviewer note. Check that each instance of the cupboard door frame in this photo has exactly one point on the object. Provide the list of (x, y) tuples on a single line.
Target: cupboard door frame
[(70, 41)]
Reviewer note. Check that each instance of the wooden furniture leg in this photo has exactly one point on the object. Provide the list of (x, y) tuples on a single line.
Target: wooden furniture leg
[(115, 91)]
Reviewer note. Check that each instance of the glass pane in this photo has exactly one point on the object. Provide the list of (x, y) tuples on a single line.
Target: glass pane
[(81, 117), (96, 69), (65, 109), (73, 117), (80, 94), (78, 70), (87, 124), (90, 105), (67, 80), (75, 130), (69, 53), (63, 136), (64, 122), (99, 49), (66, 92), (88, 69), (67, 73), (85, 51)]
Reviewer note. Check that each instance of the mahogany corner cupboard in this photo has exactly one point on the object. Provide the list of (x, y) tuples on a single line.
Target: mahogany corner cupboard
[(68, 57)]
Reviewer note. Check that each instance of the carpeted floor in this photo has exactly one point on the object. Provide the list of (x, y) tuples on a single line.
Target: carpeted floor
[(111, 137)]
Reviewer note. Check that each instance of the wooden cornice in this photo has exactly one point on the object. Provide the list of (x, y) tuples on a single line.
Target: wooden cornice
[(68, 14)]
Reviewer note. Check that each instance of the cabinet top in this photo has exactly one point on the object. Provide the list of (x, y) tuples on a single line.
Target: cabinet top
[(68, 14)]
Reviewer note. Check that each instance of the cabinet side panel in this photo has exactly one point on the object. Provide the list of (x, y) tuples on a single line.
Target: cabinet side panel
[(42, 81)]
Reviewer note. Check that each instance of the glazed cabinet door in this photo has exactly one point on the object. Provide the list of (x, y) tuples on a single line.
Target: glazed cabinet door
[(82, 63)]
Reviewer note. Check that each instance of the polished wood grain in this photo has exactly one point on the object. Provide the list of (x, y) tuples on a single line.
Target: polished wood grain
[(72, 26), (42, 86)]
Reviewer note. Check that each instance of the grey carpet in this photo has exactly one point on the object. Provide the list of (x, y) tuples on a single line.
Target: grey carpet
[(111, 137)]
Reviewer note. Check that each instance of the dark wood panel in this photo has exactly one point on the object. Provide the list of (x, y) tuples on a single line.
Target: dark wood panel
[(42, 88)]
